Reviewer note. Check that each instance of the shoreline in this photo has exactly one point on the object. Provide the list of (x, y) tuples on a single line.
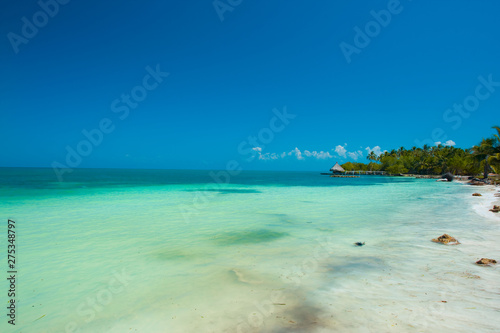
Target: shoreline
[(486, 201)]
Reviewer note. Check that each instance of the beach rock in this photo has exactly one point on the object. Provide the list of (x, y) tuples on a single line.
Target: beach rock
[(476, 183), (486, 261), (476, 195), (495, 209), (446, 239), (448, 176)]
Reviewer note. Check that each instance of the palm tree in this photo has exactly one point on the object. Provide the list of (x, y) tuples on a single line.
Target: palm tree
[(400, 151), (494, 159), (497, 136), (494, 162), (372, 156), (482, 153), (457, 164)]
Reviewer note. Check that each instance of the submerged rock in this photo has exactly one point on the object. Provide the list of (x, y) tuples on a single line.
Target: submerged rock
[(476, 195), (359, 243), (446, 239), (486, 261), (495, 209), (244, 277)]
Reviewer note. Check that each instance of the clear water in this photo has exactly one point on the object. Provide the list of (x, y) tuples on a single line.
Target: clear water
[(172, 251)]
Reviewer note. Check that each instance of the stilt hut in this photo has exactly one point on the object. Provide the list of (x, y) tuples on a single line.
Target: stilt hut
[(337, 169)]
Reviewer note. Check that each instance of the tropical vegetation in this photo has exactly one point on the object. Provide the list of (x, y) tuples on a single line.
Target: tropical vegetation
[(482, 158)]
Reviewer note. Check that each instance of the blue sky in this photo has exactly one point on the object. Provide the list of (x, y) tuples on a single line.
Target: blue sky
[(229, 66)]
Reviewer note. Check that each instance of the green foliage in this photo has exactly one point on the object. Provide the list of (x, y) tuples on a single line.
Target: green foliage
[(494, 159), (349, 166), (436, 160), (397, 168)]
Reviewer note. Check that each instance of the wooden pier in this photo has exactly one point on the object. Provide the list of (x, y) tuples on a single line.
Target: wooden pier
[(338, 171), (347, 174), (360, 172)]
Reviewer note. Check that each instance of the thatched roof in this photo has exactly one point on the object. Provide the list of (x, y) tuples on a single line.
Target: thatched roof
[(337, 167)]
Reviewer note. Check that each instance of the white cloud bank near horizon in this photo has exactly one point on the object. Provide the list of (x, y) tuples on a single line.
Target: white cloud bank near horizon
[(447, 143), (339, 151)]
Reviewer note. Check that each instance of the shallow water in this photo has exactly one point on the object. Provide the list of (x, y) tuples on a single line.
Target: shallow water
[(172, 251)]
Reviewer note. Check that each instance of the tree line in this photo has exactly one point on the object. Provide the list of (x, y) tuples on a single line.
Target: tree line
[(482, 158)]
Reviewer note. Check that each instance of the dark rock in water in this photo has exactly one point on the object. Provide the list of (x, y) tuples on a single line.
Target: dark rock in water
[(476, 195), (446, 239), (359, 243), (448, 176), (495, 209), (486, 261)]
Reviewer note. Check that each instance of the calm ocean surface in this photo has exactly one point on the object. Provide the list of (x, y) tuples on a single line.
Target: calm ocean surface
[(174, 251)]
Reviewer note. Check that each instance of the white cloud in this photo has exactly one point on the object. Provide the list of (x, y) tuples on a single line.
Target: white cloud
[(450, 143), (268, 156), (355, 155), (264, 157), (447, 143), (341, 151), (319, 155), (297, 153), (324, 155), (376, 150)]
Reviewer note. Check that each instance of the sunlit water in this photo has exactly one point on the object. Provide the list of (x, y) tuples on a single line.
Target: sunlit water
[(172, 251)]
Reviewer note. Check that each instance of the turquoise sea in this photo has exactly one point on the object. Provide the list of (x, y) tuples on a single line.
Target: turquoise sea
[(175, 251)]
